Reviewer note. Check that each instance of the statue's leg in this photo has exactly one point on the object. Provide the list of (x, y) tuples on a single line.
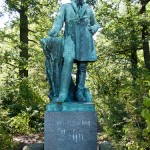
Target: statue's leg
[(80, 81), (65, 79)]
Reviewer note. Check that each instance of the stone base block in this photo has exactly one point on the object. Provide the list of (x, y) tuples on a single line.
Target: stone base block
[(70, 130), (70, 106)]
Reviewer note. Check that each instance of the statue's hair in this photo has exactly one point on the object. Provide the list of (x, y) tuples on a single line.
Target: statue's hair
[(79, 2)]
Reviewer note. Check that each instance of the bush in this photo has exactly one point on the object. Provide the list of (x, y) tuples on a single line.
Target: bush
[(6, 139)]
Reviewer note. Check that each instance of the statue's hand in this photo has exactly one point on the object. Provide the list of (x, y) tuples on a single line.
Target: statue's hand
[(52, 33), (92, 29)]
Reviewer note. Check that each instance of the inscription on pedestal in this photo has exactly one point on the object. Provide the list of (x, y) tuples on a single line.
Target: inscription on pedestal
[(70, 131), (63, 132)]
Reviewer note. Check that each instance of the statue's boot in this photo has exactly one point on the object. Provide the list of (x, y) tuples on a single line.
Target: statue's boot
[(80, 81), (65, 79)]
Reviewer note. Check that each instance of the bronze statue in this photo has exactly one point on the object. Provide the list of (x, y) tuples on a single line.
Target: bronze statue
[(77, 46)]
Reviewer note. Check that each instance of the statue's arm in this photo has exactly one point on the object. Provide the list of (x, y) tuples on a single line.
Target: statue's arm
[(93, 22), (58, 22)]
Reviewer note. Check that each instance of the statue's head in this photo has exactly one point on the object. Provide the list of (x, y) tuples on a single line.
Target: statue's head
[(79, 2)]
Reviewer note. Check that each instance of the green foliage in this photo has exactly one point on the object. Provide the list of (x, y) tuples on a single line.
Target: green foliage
[(25, 99), (6, 140), (119, 75), (20, 124), (146, 115), (91, 2), (24, 104), (119, 100)]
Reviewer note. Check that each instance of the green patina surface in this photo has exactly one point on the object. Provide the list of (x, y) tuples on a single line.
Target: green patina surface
[(70, 106), (76, 46)]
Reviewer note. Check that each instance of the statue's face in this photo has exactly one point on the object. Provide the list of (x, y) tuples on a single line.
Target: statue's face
[(79, 2)]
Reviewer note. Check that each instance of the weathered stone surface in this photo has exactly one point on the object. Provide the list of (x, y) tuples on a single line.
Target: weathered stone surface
[(70, 131)]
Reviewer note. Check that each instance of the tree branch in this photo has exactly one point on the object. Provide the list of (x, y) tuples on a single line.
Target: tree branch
[(143, 4), (31, 31), (33, 41), (12, 65)]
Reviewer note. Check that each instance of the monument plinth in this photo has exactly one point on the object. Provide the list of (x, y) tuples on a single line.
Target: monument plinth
[(70, 130)]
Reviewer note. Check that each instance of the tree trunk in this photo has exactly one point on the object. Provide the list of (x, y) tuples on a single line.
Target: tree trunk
[(146, 51), (134, 62), (23, 72)]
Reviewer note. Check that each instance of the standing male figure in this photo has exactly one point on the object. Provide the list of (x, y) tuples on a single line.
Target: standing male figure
[(80, 26)]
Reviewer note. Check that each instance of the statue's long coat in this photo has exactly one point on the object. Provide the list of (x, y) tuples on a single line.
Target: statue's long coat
[(78, 41)]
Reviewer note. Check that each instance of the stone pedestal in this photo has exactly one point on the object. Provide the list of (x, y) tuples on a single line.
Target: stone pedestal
[(70, 130)]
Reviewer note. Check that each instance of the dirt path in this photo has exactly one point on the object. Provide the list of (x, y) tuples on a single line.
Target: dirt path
[(28, 139)]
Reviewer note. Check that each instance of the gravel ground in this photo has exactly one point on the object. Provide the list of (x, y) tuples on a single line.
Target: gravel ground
[(28, 139)]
